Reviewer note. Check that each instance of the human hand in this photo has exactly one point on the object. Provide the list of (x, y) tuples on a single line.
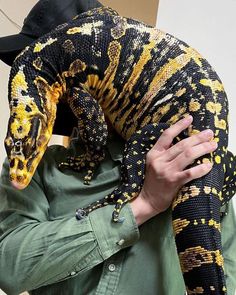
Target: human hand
[(165, 169)]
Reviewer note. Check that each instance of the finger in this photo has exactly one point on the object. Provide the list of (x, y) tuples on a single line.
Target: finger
[(193, 153), (165, 140), (186, 143), (193, 173)]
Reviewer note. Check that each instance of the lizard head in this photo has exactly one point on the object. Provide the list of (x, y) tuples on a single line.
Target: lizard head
[(32, 116)]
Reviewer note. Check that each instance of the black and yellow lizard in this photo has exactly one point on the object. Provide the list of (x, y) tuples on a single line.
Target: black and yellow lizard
[(141, 80)]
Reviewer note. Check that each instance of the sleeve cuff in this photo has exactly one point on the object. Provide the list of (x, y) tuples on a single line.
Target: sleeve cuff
[(111, 236)]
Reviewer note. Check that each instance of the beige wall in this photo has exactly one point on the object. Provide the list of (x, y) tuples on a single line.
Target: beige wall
[(145, 11)]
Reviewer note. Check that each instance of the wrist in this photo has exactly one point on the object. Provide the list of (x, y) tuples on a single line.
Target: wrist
[(142, 210)]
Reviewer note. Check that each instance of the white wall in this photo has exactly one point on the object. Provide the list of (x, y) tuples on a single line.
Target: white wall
[(210, 27)]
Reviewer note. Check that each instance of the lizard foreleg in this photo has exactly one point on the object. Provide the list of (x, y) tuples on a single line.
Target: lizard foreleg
[(93, 132)]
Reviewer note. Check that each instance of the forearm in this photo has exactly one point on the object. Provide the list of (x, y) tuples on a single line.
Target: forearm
[(41, 242), (42, 253)]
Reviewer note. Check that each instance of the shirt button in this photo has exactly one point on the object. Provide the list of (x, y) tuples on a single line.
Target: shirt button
[(121, 242), (73, 273), (112, 267)]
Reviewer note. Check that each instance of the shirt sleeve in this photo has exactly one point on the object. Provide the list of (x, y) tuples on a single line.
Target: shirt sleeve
[(35, 251)]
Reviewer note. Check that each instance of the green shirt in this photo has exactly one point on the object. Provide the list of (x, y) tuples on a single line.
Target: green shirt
[(45, 250)]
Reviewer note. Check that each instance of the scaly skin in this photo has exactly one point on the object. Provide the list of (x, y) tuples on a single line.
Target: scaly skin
[(104, 65)]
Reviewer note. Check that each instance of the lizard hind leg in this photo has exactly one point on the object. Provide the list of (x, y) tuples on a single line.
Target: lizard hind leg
[(92, 130)]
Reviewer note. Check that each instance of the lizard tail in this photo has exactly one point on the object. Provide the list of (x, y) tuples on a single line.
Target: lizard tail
[(196, 223)]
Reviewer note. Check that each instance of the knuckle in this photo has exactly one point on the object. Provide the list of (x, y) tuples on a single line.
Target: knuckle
[(161, 172), (172, 179), (151, 165), (206, 145), (149, 155), (167, 133), (188, 153), (182, 145), (189, 174)]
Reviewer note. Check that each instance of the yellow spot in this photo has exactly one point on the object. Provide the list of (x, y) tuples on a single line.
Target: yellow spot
[(74, 30), (193, 86), (40, 46), (127, 196), (213, 107), (85, 29), (218, 159), (214, 191), (194, 105), (195, 191), (214, 85), (179, 225), (219, 258), (165, 109), (196, 256), (213, 223), (195, 222), (37, 63), (180, 92), (197, 290), (180, 199), (205, 160), (193, 131), (220, 196), (207, 189), (220, 123)]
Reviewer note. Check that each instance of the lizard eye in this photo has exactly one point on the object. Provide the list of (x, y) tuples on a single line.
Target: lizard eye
[(9, 144), (17, 143), (9, 141)]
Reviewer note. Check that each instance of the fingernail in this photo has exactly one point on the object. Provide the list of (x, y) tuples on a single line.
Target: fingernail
[(208, 165), (207, 133), (188, 119), (214, 144)]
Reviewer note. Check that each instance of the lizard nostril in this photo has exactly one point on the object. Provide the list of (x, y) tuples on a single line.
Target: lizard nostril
[(12, 163)]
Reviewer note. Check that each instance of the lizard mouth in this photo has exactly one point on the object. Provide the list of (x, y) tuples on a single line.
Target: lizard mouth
[(21, 171), (18, 185)]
